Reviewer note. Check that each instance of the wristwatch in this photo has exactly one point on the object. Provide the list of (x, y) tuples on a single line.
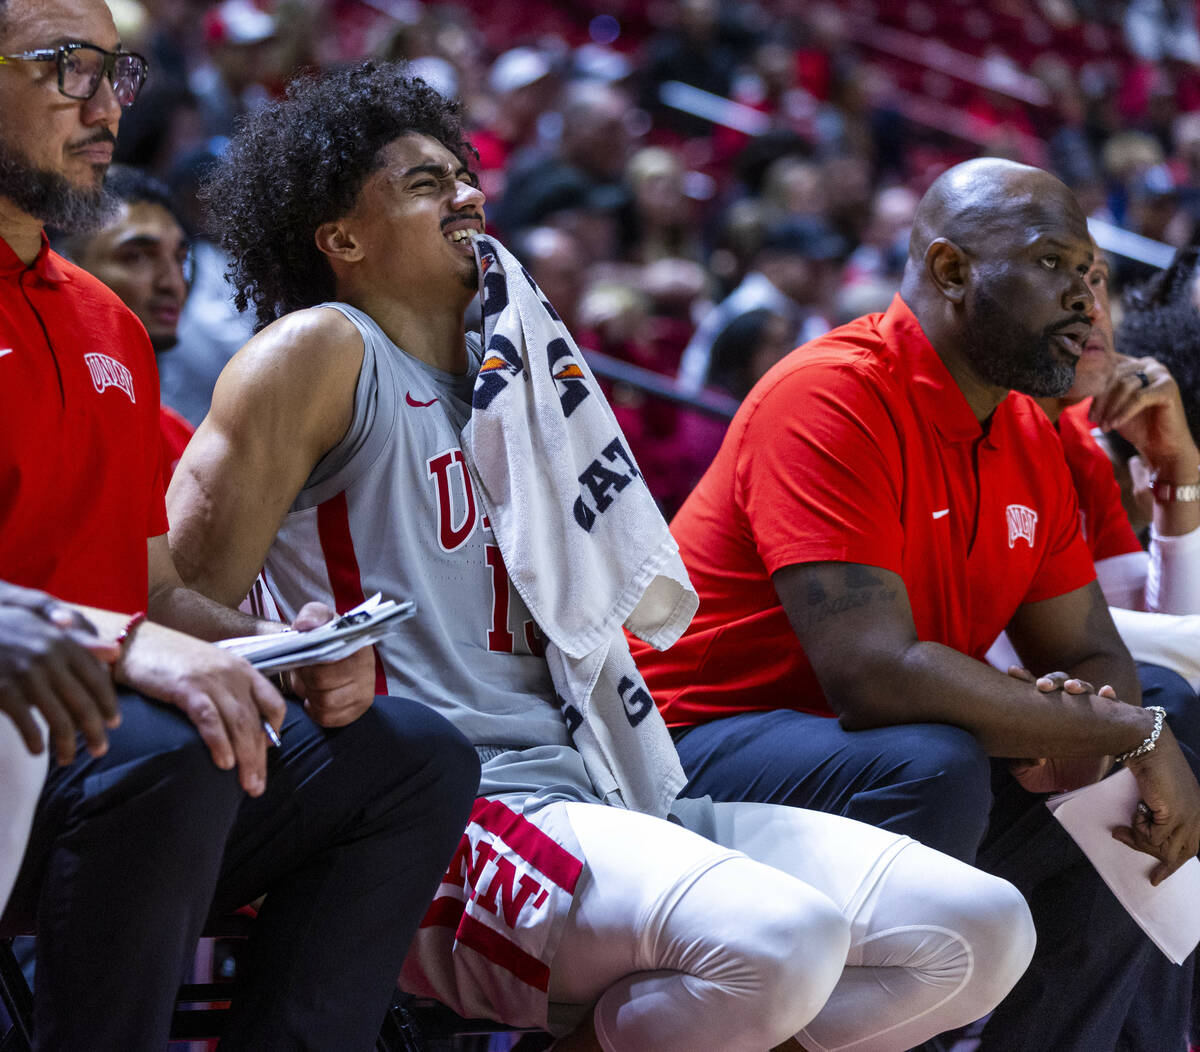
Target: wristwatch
[(1173, 493)]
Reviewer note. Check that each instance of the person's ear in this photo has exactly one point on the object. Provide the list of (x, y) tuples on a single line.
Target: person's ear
[(337, 240), (947, 267)]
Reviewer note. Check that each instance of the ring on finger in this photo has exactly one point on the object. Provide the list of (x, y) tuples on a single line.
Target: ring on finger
[(1143, 379), (1143, 808)]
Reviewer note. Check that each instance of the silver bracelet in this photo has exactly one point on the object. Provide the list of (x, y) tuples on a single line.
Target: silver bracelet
[(1148, 745)]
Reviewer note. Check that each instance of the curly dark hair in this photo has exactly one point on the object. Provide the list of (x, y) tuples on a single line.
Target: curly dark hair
[(1161, 321), (301, 162)]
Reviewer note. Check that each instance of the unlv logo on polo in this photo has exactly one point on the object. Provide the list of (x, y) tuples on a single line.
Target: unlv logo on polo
[(1022, 523), (107, 372)]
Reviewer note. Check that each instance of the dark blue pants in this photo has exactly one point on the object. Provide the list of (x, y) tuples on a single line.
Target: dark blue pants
[(1096, 982), (131, 852)]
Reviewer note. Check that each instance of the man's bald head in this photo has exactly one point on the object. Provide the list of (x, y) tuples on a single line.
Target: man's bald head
[(987, 196), (996, 276)]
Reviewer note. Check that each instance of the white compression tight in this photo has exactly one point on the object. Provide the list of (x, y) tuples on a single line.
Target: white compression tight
[(21, 778), (840, 934)]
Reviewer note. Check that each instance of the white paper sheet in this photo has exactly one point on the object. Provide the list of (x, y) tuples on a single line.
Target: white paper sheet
[(1168, 914), (367, 623)]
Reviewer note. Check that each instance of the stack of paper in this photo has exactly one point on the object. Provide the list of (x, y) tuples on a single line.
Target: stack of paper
[(1166, 913), (367, 623)]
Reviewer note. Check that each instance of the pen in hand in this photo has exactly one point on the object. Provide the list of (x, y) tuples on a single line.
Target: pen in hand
[(273, 739)]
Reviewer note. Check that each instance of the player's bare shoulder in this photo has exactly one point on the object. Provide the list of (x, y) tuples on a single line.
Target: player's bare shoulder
[(314, 345), (298, 374)]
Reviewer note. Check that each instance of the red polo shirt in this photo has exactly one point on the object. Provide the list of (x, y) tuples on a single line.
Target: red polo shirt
[(80, 478), (1105, 525), (859, 447)]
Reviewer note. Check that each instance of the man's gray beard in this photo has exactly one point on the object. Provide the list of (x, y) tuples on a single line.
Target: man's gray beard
[(1005, 355), (50, 198)]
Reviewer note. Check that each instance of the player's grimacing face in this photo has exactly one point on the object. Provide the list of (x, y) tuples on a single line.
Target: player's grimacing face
[(415, 215)]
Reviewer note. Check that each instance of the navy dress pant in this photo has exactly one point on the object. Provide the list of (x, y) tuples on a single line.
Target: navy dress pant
[(132, 851), (1096, 982)]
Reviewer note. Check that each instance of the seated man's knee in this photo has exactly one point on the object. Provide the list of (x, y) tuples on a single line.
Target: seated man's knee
[(157, 761), (955, 759), (448, 766), (957, 774)]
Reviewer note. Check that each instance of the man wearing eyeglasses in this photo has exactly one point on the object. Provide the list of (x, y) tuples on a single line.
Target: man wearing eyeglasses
[(149, 819)]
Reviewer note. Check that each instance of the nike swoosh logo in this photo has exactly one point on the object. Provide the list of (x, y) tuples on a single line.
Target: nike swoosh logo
[(415, 404), (5, 350), (941, 514)]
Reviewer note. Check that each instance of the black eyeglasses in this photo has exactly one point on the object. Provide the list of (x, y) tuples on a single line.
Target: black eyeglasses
[(82, 66)]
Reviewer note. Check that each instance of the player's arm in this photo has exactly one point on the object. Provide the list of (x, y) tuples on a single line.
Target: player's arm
[(282, 402), (173, 603)]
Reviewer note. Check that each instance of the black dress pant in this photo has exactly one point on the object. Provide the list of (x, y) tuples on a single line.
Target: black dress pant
[(131, 851)]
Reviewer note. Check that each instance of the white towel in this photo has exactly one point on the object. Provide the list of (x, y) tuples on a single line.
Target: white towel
[(582, 539)]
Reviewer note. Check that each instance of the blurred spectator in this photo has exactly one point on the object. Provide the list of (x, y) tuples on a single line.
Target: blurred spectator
[(662, 220), (697, 49), (1161, 29), (585, 168), (849, 191), (884, 246), (1127, 156), (770, 85), (869, 296), (557, 264), (1153, 207), (796, 274), (437, 73), (738, 238), (1069, 150), (520, 89), (143, 254), (796, 186), (164, 123), (210, 329), (240, 63), (747, 347), (673, 446)]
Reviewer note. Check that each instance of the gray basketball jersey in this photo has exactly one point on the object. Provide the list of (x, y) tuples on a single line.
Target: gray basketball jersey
[(392, 509)]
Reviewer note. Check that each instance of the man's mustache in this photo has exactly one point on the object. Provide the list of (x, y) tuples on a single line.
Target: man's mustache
[(100, 135)]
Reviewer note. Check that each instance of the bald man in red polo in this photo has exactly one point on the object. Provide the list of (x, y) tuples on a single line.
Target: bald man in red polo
[(884, 504)]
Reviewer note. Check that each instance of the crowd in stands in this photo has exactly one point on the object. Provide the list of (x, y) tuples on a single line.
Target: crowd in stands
[(676, 145)]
